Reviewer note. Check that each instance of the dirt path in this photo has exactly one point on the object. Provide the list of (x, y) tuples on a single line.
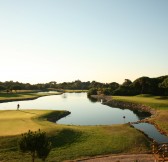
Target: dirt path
[(120, 158)]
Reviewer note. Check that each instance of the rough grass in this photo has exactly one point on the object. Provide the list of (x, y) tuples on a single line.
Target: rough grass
[(91, 141), (68, 142), (159, 103)]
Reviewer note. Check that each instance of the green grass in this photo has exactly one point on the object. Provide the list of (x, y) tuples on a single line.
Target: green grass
[(156, 102), (159, 103), (74, 91), (68, 142), (91, 141), (15, 122), (6, 97)]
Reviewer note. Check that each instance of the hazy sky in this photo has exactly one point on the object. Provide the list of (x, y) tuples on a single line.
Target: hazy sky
[(66, 40)]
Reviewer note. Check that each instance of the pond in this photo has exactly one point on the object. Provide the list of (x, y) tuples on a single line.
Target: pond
[(83, 110)]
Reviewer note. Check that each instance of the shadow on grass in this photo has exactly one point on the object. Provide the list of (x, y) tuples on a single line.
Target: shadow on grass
[(153, 96), (10, 95), (65, 137), (162, 98), (145, 95), (54, 115)]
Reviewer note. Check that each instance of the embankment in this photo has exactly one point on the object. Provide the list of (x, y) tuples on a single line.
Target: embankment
[(107, 100)]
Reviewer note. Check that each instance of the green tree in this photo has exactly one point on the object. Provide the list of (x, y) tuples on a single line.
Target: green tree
[(2, 88), (113, 86), (92, 91), (106, 91), (164, 85), (142, 85), (35, 143), (16, 87), (127, 83)]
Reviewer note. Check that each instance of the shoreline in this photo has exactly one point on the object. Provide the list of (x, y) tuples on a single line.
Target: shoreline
[(107, 100), (27, 98), (22, 99)]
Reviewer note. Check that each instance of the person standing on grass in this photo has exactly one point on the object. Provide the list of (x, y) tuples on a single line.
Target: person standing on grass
[(18, 106)]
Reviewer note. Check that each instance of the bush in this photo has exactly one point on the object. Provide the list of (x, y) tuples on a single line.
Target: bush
[(92, 91), (36, 143), (107, 91)]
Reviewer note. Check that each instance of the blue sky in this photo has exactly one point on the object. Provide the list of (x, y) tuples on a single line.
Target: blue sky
[(66, 40)]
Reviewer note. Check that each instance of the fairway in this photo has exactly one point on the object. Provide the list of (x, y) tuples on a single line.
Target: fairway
[(14, 122), (156, 102), (24, 95)]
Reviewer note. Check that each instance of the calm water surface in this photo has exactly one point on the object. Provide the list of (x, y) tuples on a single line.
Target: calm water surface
[(86, 112), (151, 132), (83, 111)]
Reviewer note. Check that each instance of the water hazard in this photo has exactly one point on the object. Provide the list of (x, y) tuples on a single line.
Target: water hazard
[(83, 110), (151, 132)]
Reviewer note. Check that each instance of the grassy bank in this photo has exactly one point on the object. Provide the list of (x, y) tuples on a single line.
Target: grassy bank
[(159, 103), (68, 142), (6, 97), (74, 91)]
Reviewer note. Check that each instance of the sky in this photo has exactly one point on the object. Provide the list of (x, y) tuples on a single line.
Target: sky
[(66, 40)]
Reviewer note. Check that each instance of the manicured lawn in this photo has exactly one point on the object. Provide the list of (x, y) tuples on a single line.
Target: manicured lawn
[(156, 102), (68, 142), (75, 91), (159, 103), (14, 122), (5, 97)]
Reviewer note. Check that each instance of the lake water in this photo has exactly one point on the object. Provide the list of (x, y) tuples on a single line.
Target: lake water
[(83, 111), (151, 132)]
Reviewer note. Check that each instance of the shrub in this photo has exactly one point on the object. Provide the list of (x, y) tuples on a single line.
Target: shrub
[(35, 143)]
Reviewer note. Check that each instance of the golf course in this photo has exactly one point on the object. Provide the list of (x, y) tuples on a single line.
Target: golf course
[(71, 142), (83, 80)]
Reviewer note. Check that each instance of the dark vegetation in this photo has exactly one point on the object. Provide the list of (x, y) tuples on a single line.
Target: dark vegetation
[(35, 143), (142, 85), (54, 116)]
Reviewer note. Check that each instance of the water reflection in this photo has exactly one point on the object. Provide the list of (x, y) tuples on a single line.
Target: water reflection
[(151, 132), (91, 99), (142, 114), (64, 95), (84, 111)]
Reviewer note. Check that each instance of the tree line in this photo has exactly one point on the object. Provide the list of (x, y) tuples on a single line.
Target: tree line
[(142, 85)]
